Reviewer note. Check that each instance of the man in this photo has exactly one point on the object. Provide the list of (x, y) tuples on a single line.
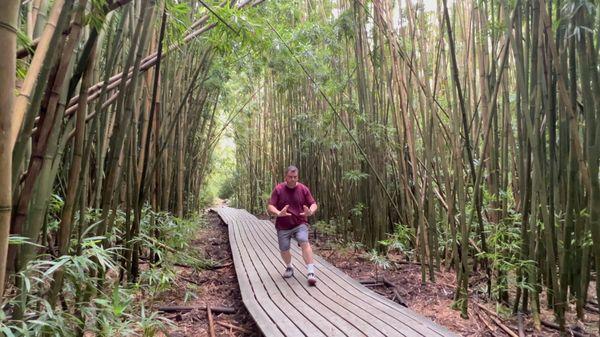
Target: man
[(292, 203)]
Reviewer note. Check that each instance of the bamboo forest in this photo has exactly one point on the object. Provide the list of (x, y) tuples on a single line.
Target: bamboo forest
[(452, 148)]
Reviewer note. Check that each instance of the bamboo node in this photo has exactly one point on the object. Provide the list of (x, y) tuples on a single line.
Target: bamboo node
[(8, 27)]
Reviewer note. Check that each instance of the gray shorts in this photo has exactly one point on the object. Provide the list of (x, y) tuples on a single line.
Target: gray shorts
[(284, 236)]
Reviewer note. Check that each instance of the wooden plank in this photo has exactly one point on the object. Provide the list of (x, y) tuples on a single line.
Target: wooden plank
[(351, 312), (348, 281), (404, 328), (339, 316), (351, 316), (262, 319), (343, 304), (333, 291), (359, 305), (284, 324), (295, 312), (411, 316), (411, 319), (278, 282), (434, 328), (381, 302)]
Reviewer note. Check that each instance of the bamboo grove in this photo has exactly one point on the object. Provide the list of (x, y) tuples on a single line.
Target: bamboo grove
[(108, 118), (474, 126)]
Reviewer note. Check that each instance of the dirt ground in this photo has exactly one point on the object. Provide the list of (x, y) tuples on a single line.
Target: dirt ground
[(216, 288), (219, 288), (434, 300)]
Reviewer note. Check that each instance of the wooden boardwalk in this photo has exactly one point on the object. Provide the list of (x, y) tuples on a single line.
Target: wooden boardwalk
[(337, 306)]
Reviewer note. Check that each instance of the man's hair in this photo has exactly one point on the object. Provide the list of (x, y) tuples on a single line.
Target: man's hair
[(291, 168)]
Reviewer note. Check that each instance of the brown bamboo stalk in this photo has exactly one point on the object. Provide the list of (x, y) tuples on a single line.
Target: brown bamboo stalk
[(27, 217), (68, 211), (36, 13), (31, 80), (123, 119), (9, 11), (149, 61)]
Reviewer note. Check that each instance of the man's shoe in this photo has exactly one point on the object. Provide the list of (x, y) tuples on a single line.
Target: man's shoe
[(312, 280), (289, 272)]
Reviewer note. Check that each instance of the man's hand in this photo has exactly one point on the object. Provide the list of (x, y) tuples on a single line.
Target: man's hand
[(306, 212), (283, 212)]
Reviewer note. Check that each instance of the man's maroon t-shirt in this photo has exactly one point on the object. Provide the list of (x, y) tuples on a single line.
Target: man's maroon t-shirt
[(296, 198)]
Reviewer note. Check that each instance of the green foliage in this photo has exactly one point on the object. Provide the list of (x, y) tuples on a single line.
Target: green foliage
[(157, 279), (95, 300), (190, 293), (36, 278), (96, 17), (179, 20), (327, 228), (167, 238), (356, 246), (21, 240), (381, 261), (504, 244), (354, 176), (235, 29), (400, 240), (223, 179), (152, 323), (358, 209), (227, 188)]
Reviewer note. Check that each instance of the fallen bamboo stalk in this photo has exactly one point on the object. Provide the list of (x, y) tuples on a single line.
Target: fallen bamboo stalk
[(221, 310), (234, 327), (399, 299), (371, 281), (488, 311), (414, 263), (151, 60), (557, 327), (379, 292), (503, 327), (30, 49), (521, 325), (388, 283), (485, 322), (192, 281), (495, 318), (211, 324), (368, 285), (221, 266)]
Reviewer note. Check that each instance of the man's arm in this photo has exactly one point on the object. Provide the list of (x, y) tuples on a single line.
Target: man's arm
[(313, 208), (309, 211), (274, 200), (272, 210), (275, 212)]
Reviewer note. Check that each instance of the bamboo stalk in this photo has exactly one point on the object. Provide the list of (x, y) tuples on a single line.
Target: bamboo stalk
[(211, 324), (30, 82), (9, 11)]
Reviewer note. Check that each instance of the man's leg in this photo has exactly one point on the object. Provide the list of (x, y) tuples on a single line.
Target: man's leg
[(287, 257), (307, 254), (283, 238)]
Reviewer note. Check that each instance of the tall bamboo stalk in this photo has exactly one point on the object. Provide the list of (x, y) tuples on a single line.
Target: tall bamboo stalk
[(8, 39)]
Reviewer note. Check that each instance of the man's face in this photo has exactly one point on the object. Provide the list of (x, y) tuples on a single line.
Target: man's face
[(291, 178)]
